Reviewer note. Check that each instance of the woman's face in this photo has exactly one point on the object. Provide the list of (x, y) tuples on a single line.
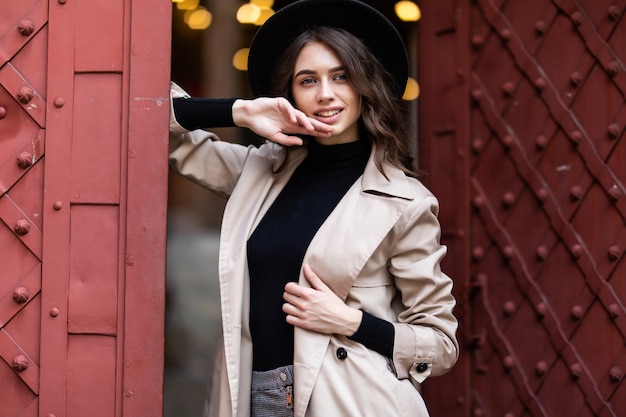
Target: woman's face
[(322, 91)]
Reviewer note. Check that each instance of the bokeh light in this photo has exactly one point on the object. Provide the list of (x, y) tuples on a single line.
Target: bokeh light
[(240, 59), (248, 13), (408, 11), (412, 90), (187, 4), (265, 14), (263, 4), (198, 19)]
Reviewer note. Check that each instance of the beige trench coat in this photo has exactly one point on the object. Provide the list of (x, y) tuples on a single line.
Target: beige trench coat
[(378, 250)]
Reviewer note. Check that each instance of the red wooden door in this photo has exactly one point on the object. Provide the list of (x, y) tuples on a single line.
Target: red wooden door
[(83, 166), (522, 117)]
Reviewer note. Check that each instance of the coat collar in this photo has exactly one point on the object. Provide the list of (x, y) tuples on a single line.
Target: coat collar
[(393, 184)]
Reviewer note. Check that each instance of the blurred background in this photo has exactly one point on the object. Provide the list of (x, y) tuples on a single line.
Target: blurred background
[(209, 54)]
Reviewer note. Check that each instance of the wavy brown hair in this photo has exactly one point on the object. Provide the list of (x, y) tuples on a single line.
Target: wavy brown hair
[(383, 118)]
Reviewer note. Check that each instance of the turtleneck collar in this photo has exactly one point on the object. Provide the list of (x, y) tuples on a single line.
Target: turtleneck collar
[(338, 156)]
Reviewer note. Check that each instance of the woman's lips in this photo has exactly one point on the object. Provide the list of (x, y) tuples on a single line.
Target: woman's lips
[(328, 116)]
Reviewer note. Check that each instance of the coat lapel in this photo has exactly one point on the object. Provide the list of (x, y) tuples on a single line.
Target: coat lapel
[(254, 194), (355, 228), (339, 251)]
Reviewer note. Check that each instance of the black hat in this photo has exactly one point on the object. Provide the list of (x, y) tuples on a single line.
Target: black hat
[(354, 16)]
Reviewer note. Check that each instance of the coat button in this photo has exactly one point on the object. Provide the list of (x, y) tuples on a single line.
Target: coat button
[(342, 353), (421, 367)]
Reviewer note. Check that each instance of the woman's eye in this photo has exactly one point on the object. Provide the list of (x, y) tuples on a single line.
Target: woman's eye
[(341, 77), (307, 81)]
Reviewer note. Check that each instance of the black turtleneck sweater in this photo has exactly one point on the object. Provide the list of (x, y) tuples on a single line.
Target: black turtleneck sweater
[(277, 246)]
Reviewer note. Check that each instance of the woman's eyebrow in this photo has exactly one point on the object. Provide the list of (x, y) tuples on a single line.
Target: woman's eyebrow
[(311, 72), (305, 72)]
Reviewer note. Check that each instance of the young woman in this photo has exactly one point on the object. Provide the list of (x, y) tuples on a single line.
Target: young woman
[(333, 300)]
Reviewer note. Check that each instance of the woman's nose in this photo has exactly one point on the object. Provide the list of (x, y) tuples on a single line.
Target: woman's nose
[(325, 91)]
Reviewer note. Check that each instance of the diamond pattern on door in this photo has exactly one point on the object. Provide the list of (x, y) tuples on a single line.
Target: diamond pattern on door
[(23, 44), (548, 222)]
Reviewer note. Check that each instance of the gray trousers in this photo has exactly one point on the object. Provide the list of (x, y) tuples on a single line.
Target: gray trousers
[(272, 393)]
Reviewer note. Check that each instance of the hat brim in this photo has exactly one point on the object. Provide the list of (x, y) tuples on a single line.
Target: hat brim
[(358, 18)]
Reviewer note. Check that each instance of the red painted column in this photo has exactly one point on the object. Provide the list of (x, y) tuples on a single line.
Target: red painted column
[(146, 194)]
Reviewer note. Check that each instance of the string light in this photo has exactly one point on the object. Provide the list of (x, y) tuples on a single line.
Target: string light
[(240, 59), (266, 13), (263, 4), (248, 13), (412, 90), (198, 19), (408, 11), (187, 4)]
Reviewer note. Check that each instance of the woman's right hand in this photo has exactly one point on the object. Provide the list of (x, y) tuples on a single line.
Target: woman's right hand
[(277, 120)]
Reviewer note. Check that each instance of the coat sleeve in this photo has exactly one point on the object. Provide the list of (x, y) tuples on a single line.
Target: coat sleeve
[(202, 157), (425, 341)]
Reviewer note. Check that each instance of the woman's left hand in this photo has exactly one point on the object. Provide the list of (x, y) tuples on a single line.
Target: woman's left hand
[(276, 119), (318, 308)]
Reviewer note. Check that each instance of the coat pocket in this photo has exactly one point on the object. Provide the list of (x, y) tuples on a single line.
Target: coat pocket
[(356, 381)]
